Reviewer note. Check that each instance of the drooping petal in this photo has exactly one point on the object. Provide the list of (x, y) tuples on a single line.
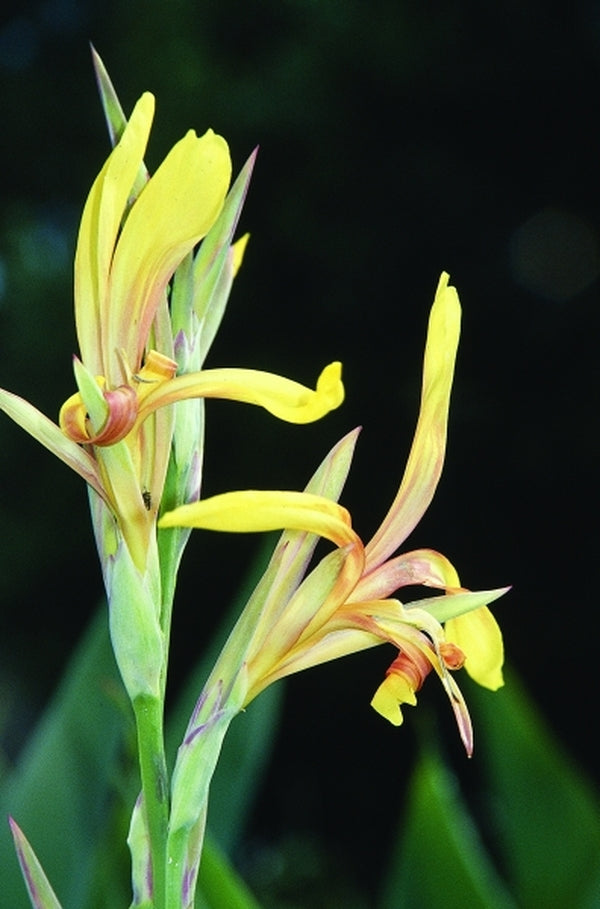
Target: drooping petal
[(402, 680), (282, 397), (459, 706), (477, 634), (353, 627), (391, 694), (426, 456), (410, 630), (175, 210), (98, 232), (251, 511)]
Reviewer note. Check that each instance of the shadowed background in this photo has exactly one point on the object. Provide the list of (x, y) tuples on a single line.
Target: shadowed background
[(396, 140)]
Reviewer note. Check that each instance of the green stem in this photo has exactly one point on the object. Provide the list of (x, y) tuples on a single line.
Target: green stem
[(155, 788), (171, 544)]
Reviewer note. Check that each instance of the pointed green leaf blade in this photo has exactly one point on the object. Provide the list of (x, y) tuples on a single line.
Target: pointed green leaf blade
[(545, 814), (116, 120), (439, 859), (41, 894), (63, 789)]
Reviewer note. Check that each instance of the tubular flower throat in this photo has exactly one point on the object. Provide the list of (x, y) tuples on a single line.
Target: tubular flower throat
[(343, 605)]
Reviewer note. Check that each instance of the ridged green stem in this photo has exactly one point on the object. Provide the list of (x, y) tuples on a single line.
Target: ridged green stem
[(155, 788)]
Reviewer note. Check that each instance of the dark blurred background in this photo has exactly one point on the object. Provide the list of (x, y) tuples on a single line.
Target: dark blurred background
[(396, 139)]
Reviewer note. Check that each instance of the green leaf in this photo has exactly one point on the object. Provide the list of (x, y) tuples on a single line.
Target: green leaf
[(116, 120), (439, 859), (222, 888), (41, 894), (543, 812), (63, 790)]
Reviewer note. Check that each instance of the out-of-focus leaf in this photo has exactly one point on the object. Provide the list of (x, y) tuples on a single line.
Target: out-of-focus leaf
[(41, 894), (543, 812), (439, 859), (246, 751), (62, 791), (221, 886)]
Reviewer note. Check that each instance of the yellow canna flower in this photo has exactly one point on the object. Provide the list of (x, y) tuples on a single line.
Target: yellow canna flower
[(343, 605), (116, 431)]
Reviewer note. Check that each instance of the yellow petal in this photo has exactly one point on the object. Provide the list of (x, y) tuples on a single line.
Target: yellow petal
[(250, 511), (238, 249), (285, 399), (426, 457), (479, 637), (176, 209), (393, 691), (100, 224)]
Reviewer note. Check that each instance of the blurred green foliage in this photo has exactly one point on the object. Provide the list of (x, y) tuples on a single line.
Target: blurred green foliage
[(531, 838)]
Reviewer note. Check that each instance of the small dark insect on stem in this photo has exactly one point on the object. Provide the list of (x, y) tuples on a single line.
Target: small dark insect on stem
[(147, 498)]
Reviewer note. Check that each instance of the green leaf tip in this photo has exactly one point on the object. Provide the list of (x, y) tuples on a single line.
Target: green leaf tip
[(40, 892)]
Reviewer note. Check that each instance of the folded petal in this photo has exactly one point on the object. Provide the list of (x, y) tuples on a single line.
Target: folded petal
[(426, 456), (479, 637), (284, 398), (421, 566)]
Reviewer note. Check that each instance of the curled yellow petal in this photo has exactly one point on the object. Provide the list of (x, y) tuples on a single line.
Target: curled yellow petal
[(285, 399), (122, 408), (479, 637), (251, 511)]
